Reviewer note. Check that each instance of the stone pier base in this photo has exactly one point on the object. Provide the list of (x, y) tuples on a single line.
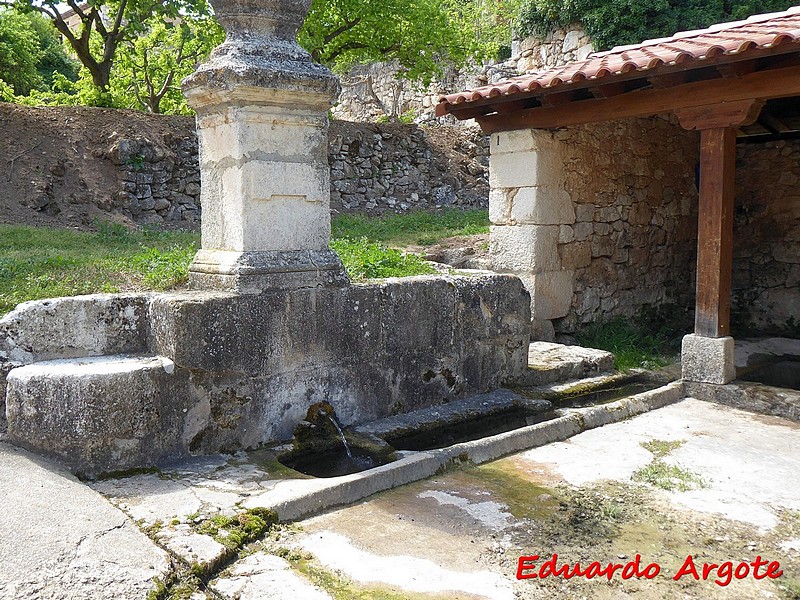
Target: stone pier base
[(708, 360)]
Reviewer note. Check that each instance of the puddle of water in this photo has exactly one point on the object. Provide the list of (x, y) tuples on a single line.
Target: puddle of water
[(334, 462), (603, 396), (783, 374), (467, 431)]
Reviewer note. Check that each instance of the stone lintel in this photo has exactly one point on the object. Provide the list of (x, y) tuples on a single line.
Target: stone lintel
[(708, 360)]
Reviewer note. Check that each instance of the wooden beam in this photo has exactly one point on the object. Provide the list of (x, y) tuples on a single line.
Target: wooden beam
[(779, 83), (727, 114), (737, 69), (715, 232), (668, 80), (609, 90), (557, 99), (774, 123)]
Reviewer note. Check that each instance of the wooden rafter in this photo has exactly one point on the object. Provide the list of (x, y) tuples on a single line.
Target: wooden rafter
[(778, 83)]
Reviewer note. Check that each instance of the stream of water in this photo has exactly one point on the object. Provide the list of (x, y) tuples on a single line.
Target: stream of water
[(341, 435)]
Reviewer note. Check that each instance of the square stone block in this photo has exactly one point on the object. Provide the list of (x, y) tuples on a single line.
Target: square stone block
[(525, 159), (543, 205), (708, 360), (551, 294), (524, 249)]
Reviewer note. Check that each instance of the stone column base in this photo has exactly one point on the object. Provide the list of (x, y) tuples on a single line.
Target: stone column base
[(256, 272), (708, 360)]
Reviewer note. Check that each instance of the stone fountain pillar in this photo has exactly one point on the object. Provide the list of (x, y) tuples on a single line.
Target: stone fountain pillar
[(262, 123)]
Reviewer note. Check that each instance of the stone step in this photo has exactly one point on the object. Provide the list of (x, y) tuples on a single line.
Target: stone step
[(550, 363), (99, 414)]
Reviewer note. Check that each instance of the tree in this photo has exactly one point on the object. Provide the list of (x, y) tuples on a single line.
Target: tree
[(19, 53), (421, 35), (104, 25), (150, 67), (53, 57)]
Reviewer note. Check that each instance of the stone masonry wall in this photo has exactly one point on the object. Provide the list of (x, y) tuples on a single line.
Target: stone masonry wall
[(598, 220), (633, 243), (766, 250), (159, 182), (395, 168), (374, 169), (374, 91), (559, 47)]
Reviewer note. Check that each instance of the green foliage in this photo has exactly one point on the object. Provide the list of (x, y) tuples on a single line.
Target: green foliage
[(105, 25), (53, 59), (150, 67), (424, 228), (620, 22), (633, 347), (421, 35), (370, 260), (19, 53), (6, 92)]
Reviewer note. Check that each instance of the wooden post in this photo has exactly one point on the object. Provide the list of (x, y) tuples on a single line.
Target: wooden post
[(717, 125), (715, 232)]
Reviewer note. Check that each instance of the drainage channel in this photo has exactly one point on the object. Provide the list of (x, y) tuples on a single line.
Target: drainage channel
[(310, 496)]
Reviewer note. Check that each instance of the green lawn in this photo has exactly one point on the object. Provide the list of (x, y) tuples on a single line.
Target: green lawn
[(39, 262)]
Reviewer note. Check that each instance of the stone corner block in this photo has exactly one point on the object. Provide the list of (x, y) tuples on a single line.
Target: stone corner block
[(524, 248), (708, 360), (551, 294)]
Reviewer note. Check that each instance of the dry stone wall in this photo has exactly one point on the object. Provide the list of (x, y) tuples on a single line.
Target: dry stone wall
[(159, 182), (374, 169), (558, 47), (766, 250), (396, 168), (374, 91)]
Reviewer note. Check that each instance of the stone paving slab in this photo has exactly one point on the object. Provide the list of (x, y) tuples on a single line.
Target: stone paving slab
[(60, 539), (263, 576), (459, 535)]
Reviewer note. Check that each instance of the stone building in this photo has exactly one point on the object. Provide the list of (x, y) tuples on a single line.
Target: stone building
[(619, 181)]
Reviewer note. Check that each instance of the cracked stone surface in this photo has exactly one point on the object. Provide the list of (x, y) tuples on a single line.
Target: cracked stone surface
[(59, 539), (264, 577), (205, 486), (190, 546)]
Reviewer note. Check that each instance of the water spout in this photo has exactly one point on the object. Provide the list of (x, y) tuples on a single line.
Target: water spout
[(341, 435)]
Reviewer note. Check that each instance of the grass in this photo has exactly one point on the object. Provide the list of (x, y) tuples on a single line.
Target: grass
[(633, 346), (663, 475), (421, 228), (41, 262), (364, 259)]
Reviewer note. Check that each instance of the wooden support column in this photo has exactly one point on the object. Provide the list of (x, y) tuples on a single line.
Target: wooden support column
[(715, 232), (717, 125)]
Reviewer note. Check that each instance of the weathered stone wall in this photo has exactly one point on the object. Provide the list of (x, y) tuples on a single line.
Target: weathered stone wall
[(217, 372), (766, 249), (374, 91), (558, 47), (633, 243), (374, 169), (159, 182), (598, 220), (395, 168)]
